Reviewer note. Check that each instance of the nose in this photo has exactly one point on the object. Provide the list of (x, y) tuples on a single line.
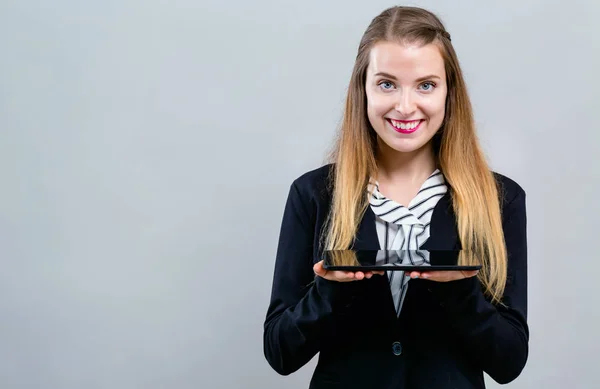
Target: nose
[(406, 105)]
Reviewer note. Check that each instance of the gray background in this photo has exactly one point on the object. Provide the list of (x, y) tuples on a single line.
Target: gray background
[(138, 143)]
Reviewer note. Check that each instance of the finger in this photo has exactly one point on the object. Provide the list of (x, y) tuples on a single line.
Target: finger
[(341, 276), (468, 274), (471, 273), (433, 275), (445, 276), (346, 276)]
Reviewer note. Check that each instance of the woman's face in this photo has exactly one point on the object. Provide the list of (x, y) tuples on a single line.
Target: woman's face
[(406, 94)]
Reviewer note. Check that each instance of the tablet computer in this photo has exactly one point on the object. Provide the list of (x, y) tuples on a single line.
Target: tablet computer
[(390, 260)]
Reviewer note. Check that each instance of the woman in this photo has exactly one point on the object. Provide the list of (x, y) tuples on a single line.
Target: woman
[(407, 172)]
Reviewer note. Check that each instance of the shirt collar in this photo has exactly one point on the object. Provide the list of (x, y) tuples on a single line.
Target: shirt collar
[(393, 212)]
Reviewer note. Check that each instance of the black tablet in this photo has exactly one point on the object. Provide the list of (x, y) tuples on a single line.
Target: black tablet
[(389, 260)]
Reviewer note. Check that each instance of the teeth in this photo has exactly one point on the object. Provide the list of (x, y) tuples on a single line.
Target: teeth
[(405, 126)]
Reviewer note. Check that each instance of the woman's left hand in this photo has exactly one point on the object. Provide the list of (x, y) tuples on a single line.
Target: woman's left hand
[(442, 276)]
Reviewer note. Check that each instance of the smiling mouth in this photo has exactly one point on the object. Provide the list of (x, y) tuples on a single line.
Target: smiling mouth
[(405, 126)]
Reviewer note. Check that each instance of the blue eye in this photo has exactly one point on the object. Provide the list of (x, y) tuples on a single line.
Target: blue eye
[(384, 83), (430, 84)]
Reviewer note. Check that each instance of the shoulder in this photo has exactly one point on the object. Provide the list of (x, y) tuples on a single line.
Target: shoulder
[(315, 183), (509, 189), (309, 195)]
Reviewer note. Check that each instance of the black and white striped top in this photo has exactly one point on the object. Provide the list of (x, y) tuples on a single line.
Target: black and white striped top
[(405, 227)]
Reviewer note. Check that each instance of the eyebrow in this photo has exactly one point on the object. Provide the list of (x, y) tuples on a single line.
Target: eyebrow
[(387, 75)]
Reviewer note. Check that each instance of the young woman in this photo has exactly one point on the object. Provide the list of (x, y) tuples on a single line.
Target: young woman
[(407, 172)]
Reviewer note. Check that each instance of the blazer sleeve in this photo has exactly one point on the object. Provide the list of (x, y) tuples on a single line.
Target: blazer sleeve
[(301, 305), (495, 335)]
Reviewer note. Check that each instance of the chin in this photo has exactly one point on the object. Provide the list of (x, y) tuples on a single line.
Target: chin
[(406, 145)]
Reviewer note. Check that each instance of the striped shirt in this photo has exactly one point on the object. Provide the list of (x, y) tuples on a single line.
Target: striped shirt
[(405, 227)]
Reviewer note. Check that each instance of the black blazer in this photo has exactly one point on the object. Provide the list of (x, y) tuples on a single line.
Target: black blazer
[(447, 334)]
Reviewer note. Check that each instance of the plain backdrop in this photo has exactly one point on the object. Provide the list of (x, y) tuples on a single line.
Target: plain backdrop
[(146, 152)]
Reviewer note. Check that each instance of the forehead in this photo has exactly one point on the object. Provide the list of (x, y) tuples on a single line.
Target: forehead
[(406, 60)]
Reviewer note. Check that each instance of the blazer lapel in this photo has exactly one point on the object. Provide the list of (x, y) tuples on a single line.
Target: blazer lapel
[(366, 234), (443, 227)]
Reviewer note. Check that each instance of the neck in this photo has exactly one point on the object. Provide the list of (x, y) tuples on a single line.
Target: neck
[(397, 166)]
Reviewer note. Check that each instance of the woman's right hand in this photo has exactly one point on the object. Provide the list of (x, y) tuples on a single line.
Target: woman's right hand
[(342, 276)]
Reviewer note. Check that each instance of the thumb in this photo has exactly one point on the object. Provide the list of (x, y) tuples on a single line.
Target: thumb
[(318, 269)]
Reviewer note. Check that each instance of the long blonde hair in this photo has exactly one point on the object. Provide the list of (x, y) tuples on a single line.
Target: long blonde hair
[(474, 189)]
